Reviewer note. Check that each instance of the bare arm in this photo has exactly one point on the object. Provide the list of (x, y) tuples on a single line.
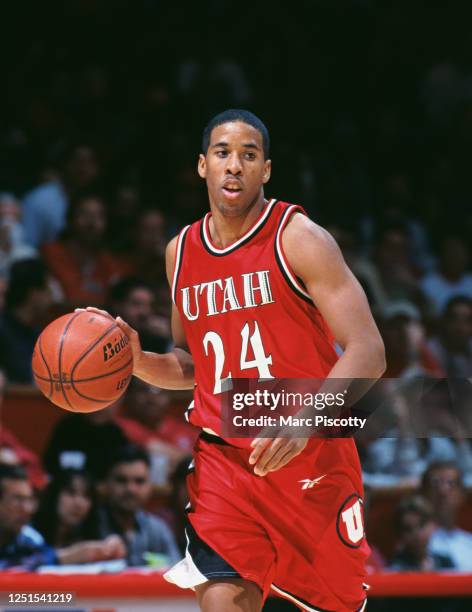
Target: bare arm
[(338, 296), (343, 304)]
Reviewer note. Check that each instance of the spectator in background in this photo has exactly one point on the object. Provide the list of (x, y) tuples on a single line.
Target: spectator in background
[(67, 519), (392, 258), (405, 344), (452, 278), (84, 441), (27, 302), (148, 422), (12, 243), (3, 291), (128, 489), (414, 525), (123, 212), (442, 485), (452, 346), (45, 207), (134, 300), (20, 544), (148, 251), (79, 262), (175, 513), (13, 452)]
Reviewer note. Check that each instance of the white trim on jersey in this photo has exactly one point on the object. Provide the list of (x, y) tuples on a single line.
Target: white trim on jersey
[(247, 235), (178, 257), (278, 245)]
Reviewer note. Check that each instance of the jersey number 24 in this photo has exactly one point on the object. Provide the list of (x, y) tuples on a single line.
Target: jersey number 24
[(261, 361)]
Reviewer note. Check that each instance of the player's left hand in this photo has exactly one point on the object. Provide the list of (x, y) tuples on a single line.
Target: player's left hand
[(270, 455)]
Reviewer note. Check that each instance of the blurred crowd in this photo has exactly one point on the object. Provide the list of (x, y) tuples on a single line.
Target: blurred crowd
[(98, 171)]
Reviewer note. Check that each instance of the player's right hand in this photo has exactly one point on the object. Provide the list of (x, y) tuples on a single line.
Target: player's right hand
[(132, 334)]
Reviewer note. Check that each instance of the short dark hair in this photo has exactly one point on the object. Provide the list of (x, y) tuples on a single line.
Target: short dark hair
[(236, 114), (11, 472), (122, 289), (46, 519), (416, 504), (440, 465), (25, 275), (128, 454), (454, 301)]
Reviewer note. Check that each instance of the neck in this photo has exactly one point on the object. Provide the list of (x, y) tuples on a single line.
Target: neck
[(124, 520), (62, 535), (226, 229)]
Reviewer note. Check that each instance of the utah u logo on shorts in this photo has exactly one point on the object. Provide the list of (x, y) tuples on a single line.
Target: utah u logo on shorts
[(350, 522)]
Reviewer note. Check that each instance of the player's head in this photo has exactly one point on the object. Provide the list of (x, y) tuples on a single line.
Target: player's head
[(235, 160), (233, 115)]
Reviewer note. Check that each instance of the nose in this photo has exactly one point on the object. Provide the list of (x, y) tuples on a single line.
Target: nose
[(233, 165)]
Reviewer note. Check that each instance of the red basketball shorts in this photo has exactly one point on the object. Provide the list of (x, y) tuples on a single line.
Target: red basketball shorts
[(297, 532)]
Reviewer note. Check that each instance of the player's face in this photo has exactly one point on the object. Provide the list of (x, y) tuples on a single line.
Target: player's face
[(234, 168)]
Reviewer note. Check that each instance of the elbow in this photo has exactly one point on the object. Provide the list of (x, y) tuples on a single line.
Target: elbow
[(377, 352)]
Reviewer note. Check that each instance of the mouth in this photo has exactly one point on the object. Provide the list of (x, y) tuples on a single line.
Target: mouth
[(231, 190)]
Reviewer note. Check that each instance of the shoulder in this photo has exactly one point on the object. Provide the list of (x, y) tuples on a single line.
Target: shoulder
[(152, 523), (172, 250), (29, 536), (301, 227), (42, 194), (310, 249)]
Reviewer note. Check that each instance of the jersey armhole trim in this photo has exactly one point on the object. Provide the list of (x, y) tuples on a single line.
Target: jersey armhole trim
[(178, 261), (281, 259)]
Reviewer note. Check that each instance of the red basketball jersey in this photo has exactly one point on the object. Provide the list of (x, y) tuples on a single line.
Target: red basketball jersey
[(244, 312)]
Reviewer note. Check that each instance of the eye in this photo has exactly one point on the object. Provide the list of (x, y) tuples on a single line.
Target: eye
[(221, 153), (249, 155)]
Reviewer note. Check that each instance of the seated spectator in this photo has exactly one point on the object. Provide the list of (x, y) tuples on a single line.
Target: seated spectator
[(175, 512), (393, 262), (45, 207), (79, 262), (12, 243), (20, 544), (124, 209), (134, 300), (27, 302), (405, 345), (148, 251), (146, 421), (13, 452), (442, 486), (128, 489), (414, 525), (451, 278), (67, 519), (83, 441), (452, 346)]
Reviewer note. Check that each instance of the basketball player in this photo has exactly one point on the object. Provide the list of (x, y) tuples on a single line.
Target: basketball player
[(261, 291)]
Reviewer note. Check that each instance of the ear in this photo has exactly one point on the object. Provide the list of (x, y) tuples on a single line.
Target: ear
[(267, 171), (202, 166)]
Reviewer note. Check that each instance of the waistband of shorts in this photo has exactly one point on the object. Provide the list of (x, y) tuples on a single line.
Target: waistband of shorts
[(213, 438)]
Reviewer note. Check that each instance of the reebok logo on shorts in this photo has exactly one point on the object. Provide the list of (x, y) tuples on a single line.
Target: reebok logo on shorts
[(309, 484)]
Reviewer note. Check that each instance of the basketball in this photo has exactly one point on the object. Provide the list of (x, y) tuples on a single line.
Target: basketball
[(82, 362)]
